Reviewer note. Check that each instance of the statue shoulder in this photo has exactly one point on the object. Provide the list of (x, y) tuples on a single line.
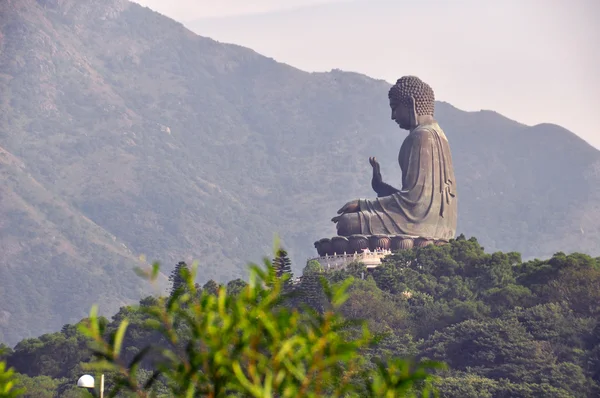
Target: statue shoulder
[(422, 132), (427, 131)]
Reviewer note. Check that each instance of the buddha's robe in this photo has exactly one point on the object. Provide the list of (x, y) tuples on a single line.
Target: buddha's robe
[(426, 205)]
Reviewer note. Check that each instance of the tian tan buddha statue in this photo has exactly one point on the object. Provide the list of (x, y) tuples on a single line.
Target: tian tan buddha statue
[(423, 211)]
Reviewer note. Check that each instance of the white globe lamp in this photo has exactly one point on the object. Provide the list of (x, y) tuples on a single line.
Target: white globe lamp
[(87, 381)]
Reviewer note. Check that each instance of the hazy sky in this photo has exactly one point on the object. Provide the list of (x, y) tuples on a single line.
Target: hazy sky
[(531, 60)]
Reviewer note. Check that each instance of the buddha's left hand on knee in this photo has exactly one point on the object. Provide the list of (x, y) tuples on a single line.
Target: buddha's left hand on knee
[(350, 207)]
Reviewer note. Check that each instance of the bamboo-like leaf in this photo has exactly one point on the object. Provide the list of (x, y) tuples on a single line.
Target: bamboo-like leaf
[(268, 384), (155, 271), (276, 244), (142, 273), (119, 337), (95, 329), (340, 293), (243, 380)]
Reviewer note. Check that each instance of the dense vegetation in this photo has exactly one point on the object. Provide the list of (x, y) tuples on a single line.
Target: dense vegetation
[(505, 328), (124, 134)]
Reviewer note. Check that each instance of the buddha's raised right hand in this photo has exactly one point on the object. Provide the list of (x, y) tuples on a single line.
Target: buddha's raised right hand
[(377, 180), (380, 187)]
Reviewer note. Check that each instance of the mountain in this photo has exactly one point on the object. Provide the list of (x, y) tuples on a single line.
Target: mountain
[(54, 258), (126, 135)]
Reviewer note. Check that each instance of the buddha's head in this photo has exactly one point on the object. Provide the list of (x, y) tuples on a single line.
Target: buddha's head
[(410, 98)]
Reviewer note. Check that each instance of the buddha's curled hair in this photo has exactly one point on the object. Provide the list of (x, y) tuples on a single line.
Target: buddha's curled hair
[(420, 91)]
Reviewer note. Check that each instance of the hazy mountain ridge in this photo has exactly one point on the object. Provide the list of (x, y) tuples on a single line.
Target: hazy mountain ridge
[(185, 148), (54, 260)]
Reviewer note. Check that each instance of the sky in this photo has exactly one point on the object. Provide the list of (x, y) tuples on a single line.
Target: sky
[(534, 61)]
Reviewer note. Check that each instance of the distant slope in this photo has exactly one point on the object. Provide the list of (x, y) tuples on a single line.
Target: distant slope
[(55, 262), (185, 148), (530, 189)]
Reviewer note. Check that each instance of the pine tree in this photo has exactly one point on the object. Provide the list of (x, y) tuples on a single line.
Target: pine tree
[(176, 278), (283, 265)]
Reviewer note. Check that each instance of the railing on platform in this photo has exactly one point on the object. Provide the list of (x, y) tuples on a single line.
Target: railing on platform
[(371, 259)]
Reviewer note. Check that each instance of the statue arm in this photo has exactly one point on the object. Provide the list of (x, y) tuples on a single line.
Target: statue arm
[(380, 187), (384, 189)]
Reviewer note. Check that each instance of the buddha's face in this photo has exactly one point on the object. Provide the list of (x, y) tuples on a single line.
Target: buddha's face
[(401, 114)]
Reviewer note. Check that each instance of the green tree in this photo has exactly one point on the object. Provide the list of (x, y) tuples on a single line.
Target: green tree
[(177, 276), (496, 349), (39, 386), (465, 385), (211, 287), (236, 286), (382, 310), (56, 354), (310, 290), (283, 265)]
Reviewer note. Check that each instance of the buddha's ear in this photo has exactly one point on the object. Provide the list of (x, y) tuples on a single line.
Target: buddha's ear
[(414, 115)]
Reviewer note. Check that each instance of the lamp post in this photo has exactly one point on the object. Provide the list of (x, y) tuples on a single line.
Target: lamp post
[(87, 381)]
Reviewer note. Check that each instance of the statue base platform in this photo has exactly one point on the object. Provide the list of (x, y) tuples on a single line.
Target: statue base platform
[(361, 243), (371, 259)]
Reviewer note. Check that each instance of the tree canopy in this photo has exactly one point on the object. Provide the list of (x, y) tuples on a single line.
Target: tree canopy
[(503, 327)]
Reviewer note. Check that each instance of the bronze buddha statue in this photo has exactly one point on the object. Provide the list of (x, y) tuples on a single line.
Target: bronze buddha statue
[(426, 205)]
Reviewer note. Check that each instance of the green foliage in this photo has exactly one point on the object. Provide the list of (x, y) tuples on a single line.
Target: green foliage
[(310, 291), (8, 382), (236, 286), (5, 351), (211, 287), (56, 355), (224, 345), (39, 386), (383, 311), (504, 327)]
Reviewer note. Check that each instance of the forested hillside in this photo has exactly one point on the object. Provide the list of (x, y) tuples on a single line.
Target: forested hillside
[(504, 327), (133, 136)]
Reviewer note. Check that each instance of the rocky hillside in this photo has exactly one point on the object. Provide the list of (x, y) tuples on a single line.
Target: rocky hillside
[(124, 134)]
